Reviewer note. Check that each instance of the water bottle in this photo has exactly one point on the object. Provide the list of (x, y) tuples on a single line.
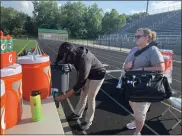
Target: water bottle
[(36, 107), (55, 93), (119, 85)]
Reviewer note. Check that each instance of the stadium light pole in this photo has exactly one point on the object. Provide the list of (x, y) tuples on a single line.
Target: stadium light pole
[(147, 6)]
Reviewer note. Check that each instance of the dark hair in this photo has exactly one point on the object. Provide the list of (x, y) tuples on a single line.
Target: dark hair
[(66, 47)]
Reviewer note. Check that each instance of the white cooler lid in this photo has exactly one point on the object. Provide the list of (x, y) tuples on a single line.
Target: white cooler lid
[(166, 57), (168, 51), (32, 59), (2, 88), (11, 70)]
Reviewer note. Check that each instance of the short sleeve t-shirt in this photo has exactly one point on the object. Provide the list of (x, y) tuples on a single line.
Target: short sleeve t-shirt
[(148, 58)]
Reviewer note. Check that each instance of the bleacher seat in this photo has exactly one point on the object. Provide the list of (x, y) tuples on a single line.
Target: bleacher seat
[(168, 31), (150, 20), (171, 25)]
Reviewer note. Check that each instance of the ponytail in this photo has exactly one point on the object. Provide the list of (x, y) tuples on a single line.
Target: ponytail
[(153, 38)]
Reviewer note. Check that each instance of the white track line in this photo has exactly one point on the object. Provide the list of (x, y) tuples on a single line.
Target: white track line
[(64, 122), (78, 121), (118, 67), (114, 54), (72, 109), (112, 66), (126, 110), (108, 47), (121, 62)]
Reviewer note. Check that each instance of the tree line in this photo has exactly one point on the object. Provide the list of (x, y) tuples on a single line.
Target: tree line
[(79, 20)]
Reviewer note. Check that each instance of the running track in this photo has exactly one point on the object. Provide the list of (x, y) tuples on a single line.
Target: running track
[(112, 110)]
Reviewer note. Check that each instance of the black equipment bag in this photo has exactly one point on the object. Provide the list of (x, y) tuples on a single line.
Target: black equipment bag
[(145, 86)]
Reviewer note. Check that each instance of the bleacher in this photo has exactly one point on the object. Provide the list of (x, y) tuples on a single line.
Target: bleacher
[(173, 25), (166, 24), (148, 21)]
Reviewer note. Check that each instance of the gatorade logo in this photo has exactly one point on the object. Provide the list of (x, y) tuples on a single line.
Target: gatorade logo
[(3, 47), (17, 86), (9, 45), (48, 73), (21, 88), (10, 58), (3, 125)]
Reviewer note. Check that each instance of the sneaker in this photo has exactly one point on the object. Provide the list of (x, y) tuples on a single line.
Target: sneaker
[(131, 125), (73, 116), (86, 125), (137, 134)]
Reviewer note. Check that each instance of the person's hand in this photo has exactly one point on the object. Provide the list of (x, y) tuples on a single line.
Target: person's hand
[(66, 68), (60, 98), (54, 63), (128, 65)]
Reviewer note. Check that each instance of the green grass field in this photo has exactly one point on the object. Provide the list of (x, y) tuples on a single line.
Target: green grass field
[(20, 44)]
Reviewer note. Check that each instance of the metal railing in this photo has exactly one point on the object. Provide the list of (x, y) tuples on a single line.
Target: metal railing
[(166, 37), (123, 46), (167, 9)]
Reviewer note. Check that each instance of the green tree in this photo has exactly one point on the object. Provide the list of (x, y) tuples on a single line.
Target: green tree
[(79, 20), (93, 21), (12, 21), (46, 14), (112, 21), (73, 19)]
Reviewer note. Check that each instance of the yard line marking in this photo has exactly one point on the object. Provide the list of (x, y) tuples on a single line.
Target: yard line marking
[(123, 63), (118, 80), (71, 107), (126, 110), (115, 101), (64, 122), (116, 68), (23, 48)]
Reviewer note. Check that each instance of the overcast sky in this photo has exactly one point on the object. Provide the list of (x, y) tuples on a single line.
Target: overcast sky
[(127, 7)]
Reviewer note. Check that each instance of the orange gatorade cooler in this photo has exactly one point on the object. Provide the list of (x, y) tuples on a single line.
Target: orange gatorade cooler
[(12, 76), (168, 60), (36, 75), (7, 58), (3, 101)]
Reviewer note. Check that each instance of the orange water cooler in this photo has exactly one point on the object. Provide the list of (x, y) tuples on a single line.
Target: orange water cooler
[(36, 75), (3, 102), (12, 77), (168, 60)]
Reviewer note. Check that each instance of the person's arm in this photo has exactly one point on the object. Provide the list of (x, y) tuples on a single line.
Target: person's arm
[(84, 70), (128, 65), (156, 67), (67, 95)]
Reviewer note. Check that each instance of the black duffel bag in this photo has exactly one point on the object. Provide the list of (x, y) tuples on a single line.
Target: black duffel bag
[(145, 86)]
